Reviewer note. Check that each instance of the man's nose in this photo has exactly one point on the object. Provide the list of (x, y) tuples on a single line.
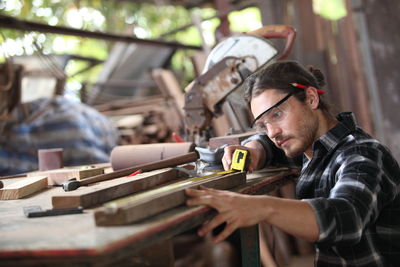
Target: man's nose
[(273, 130)]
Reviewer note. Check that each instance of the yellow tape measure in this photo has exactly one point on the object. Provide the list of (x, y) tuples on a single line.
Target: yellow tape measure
[(239, 160)]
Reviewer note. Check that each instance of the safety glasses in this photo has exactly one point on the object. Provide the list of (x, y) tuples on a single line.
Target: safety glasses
[(272, 115)]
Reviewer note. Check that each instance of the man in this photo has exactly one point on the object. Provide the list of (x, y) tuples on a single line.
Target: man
[(349, 203)]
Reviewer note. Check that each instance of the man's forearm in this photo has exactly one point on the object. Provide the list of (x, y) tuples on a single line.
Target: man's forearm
[(273, 156), (260, 155), (292, 216)]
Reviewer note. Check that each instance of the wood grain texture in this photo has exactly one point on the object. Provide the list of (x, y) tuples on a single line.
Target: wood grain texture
[(134, 155), (23, 188), (233, 139), (165, 163), (112, 189), (139, 206), (57, 177), (74, 240)]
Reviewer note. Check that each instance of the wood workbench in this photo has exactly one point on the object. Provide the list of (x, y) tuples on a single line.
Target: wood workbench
[(75, 240)]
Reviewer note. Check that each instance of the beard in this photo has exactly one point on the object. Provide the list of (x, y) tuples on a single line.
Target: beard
[(302, 139)]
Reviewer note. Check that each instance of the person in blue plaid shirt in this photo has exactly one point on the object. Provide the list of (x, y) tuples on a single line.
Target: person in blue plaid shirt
[(348, 190), (85, 135)]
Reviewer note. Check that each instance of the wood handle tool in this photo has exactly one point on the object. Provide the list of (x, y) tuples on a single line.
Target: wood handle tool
[(73, 184)]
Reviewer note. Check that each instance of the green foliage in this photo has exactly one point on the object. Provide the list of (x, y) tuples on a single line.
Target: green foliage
[(121, 17), (332, 9), (245, 20)]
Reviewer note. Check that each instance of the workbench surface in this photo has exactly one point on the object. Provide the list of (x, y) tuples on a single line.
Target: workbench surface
[(76, 239)]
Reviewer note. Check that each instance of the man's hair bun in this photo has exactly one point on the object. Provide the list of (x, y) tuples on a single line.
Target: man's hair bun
[(318, 75)]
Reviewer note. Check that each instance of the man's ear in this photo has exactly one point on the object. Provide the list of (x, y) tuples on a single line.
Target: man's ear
[(312, 97)]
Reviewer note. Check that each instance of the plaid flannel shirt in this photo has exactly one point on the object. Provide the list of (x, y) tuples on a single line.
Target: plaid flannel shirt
[(352, 183)]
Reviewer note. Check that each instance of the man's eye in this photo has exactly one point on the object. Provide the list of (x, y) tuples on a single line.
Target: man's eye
[(261, 126), (276, 115)]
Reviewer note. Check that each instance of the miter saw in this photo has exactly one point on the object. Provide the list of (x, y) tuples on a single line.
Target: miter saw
[(226, 67)]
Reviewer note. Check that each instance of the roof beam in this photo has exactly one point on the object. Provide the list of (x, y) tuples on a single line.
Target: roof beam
[(23, 25)]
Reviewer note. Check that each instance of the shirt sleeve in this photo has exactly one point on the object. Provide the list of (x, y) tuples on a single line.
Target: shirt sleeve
[(274, 155), (366, 182)]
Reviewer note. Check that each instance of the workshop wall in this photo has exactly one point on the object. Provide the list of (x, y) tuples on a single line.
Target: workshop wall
[(358, 55), (382, 20)]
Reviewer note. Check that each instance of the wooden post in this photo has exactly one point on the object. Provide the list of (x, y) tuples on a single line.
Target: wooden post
[(250, 246)]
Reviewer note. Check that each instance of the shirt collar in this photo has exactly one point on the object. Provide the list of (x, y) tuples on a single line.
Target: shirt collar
[(331, 139)]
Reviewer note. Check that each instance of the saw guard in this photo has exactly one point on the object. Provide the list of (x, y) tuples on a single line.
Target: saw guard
[(280, 32), (223, 71)]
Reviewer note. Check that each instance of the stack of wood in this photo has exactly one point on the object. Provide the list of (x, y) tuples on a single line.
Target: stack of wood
[(152, 119), (144, 121), (147, 128)]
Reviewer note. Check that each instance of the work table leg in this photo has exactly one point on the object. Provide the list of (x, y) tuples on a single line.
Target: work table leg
[(250, 246)]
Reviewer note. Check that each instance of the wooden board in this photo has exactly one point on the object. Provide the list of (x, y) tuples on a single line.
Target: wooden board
[(139, 206), (126, 156), (233, 139), (169, 86), (164, 163), (112, 189), (25, 187), (57, 177)]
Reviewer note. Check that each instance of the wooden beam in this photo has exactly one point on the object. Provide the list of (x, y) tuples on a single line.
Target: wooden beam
[(17, 24), (58, 176), (223, 29), (109, 190), (134, 155), (135, 110), (165, 163), (139, 206), (130, 102), (23, 188), (169, 86)]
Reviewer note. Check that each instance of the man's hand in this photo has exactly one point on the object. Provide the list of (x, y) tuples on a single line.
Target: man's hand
[(257, 155), (295, 217), (236, 210)]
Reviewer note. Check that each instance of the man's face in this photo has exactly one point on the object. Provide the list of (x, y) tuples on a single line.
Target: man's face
[(292, 126)]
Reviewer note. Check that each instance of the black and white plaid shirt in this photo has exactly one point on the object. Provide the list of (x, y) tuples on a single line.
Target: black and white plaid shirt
[(352, 183)]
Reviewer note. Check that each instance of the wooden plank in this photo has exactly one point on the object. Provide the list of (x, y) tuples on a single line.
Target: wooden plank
[(112, 189), (57, 177), (165, 163), (169, 86), (134, 110), (130, 102), (19, 175), (233, 139), (23, 188), (134, 155), (139, 206)]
